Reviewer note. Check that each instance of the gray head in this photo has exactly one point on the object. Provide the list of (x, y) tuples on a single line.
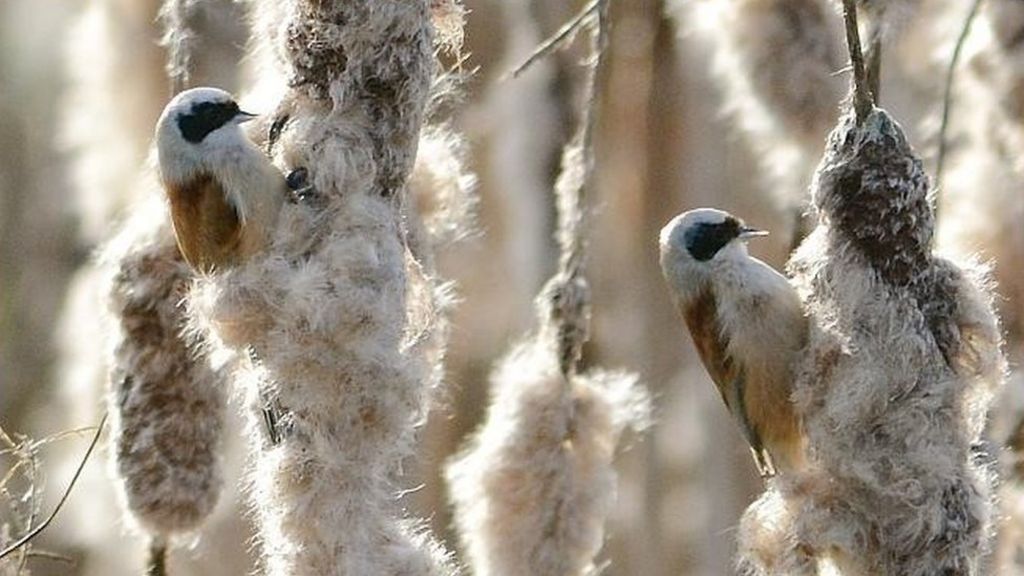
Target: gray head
[(194, 124), (700, 235)]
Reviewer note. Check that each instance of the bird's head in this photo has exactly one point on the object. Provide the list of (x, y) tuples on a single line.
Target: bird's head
[(692, 241), (194, 127)]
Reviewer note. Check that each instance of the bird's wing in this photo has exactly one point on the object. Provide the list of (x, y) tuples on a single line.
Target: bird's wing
[(726, 372), (206, 223)]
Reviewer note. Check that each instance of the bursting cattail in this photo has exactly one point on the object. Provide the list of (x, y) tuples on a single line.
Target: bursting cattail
[(894, 386), (533, 488), (167, 401), (336, 326)]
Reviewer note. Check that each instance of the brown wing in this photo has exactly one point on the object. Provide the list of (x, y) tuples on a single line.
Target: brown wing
[(701, 317), (206, 224)]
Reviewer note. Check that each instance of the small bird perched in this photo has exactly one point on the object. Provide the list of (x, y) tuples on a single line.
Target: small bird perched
[(224, 193), (747, 324)]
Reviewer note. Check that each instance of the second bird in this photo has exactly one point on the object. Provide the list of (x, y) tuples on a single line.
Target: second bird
[(747, 323), (224, 194)]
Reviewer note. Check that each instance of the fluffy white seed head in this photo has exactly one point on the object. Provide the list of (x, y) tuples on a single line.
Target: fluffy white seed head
[(333, 316), (167, 402), (534, 487), (896, 379)]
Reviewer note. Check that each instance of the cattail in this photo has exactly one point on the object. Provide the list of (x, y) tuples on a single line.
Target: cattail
[(534, 487), (166, 400), (776, 63), (340, 356), (897, 377)]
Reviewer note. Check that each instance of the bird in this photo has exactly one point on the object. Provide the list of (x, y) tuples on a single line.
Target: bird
[(748, 326), (224, 193)]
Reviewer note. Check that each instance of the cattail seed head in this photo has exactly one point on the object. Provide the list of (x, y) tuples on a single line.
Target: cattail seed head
[(903, 359), (535, 485), (167, 401)]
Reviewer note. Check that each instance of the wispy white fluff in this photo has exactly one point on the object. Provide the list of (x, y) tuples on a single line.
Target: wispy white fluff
[(981, 211), (442, 192), (535, 485)]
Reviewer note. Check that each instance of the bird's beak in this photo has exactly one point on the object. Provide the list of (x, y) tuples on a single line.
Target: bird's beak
[(747, 233), (243, 117)]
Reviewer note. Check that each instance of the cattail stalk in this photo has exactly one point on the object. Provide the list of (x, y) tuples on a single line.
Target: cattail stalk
[(339, 340), (863, 99)]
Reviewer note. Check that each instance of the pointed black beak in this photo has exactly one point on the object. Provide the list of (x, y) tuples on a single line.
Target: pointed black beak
[(244, 116)]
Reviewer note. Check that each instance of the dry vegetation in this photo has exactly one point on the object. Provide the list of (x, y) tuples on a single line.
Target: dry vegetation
[(391, 386)]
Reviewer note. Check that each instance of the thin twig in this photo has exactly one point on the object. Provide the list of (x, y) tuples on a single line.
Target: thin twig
[(46, 523), (947, 95), (862, 102), (558, 39)]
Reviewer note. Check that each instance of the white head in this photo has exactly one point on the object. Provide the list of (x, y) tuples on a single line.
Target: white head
[(195, 131), (693, 242)]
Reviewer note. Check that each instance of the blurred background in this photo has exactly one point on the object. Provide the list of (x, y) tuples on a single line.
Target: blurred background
[(82, 83)]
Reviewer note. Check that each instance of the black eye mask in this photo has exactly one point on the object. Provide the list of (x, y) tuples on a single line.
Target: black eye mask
[(704, 240), (204, 118)]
